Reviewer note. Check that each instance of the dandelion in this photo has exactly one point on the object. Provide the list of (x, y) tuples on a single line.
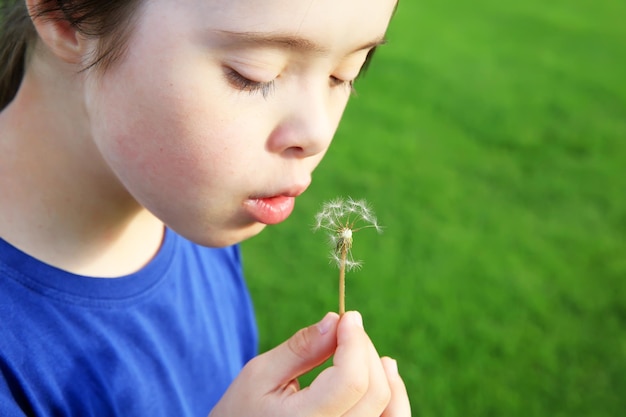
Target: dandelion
[(341, 218)]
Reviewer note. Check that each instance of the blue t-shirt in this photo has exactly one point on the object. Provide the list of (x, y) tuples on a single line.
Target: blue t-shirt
[(165, 341)]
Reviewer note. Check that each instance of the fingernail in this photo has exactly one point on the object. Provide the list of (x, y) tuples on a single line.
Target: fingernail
[(324, 326), (393, 365)]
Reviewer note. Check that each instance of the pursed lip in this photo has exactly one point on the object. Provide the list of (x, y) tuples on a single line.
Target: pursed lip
[(291, 191), (274, 208)]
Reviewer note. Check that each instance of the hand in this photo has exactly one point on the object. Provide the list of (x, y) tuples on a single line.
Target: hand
[(359, 384)]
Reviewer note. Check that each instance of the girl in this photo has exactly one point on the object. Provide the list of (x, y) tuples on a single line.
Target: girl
[(140, 141)]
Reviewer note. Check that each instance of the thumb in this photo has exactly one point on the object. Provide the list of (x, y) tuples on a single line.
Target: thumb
[(305, 350)]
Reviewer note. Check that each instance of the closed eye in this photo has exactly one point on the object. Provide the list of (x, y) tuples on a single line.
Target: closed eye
[(338, 82), (241, 83)]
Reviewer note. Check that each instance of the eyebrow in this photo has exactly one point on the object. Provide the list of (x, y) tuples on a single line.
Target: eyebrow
[(291, 42)]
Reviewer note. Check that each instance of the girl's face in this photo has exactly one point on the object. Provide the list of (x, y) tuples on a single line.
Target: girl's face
[(220, 110)]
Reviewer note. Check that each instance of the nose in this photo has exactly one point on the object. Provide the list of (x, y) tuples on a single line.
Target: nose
[(307, 126)]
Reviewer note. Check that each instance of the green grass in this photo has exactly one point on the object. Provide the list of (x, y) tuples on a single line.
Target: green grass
[(490, 137)]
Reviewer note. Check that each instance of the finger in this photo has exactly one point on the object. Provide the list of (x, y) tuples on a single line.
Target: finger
[(378, 395), (399, 406), (308, 348), (338, 388)]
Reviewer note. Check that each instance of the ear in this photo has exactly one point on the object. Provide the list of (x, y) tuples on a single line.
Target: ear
[(58, 34)]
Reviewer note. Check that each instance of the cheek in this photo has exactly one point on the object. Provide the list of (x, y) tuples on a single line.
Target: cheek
[(170, 139)]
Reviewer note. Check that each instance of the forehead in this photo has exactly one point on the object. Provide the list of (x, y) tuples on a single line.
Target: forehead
[(328, 23)]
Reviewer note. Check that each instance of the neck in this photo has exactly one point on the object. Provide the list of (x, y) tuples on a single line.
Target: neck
[(60, 202)]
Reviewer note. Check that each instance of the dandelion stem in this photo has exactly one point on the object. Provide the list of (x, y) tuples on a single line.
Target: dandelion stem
[(342, 280)]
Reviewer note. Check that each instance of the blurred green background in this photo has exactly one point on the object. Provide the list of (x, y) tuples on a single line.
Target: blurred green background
[(490, 138)]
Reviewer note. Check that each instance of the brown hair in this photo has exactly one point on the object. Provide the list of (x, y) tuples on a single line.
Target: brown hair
[(108, 20)]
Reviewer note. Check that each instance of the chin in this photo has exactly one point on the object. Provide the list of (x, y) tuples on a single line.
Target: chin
[(220, 238)]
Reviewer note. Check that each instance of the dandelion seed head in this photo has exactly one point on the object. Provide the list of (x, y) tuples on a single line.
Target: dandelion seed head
[(341, 218)]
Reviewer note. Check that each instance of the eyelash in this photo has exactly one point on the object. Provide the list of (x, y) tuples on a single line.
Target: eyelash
[(266, 88), (337, 82), (245, 84)]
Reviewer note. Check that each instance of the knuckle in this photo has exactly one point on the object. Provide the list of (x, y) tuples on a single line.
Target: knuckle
[(300, 344), (382, 397), (253, 369), (357, 387)]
